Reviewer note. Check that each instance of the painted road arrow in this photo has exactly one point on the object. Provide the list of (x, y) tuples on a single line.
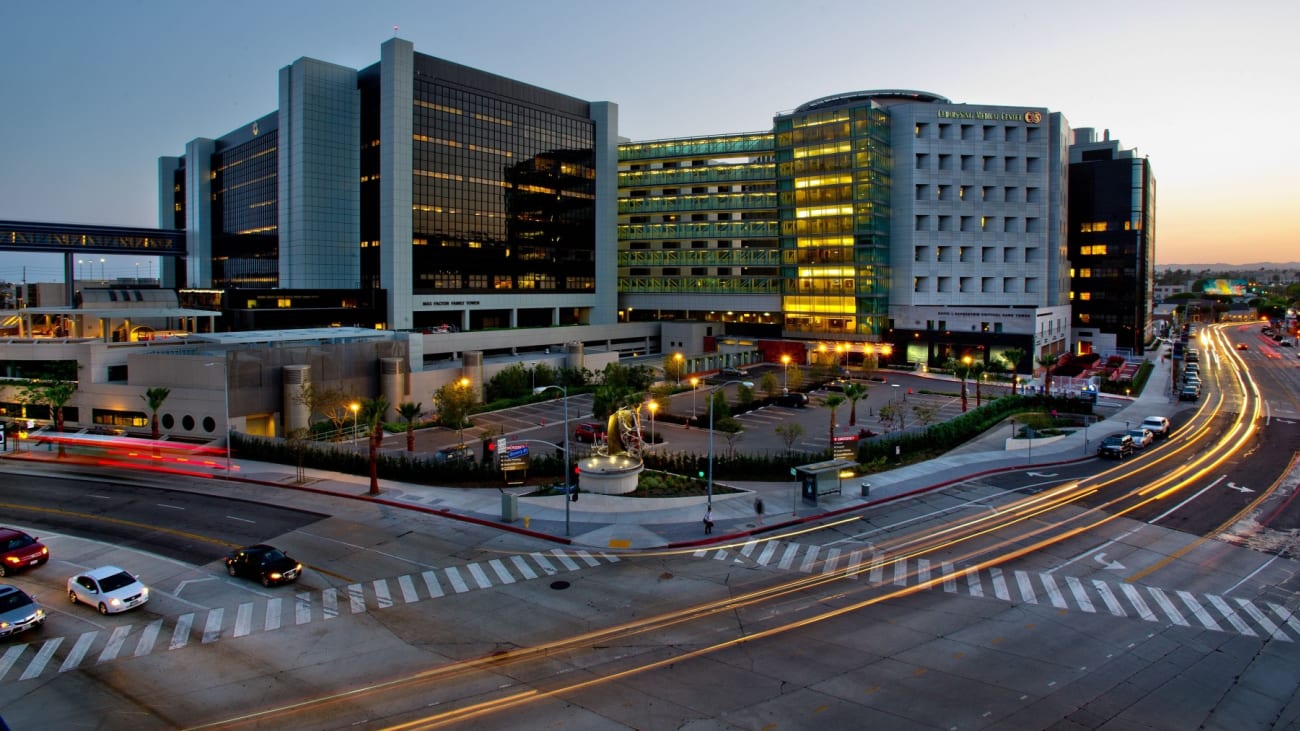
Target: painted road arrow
[(1111, 565), (1040, 474), (1238, 488)]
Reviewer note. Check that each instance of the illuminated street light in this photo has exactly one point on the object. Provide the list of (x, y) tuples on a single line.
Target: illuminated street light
[(681, 366), (785, 383), (694, 382), (653, 406), (356, 407)]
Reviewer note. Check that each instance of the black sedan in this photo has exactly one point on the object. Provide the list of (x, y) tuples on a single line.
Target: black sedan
[(266, 564)]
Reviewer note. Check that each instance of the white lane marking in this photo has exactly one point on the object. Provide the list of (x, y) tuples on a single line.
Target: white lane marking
[(1138, 603), (787, 559), (37, 665), (356, 598), (9, 658), (1108, 597), (876, 576), (1230, 615), (854, 569), (923, 570), (1080, 594), (502, 572), (999, 584), (243, 619), (79, 651), (302, 609), (241, 520), (431, 583), (273, 609), (1282, 613), (1263, 620), (212, 629), (766, 555), (748, 548), (101, 497), (523, 567), (480, 576), (568, 562), (949, 578), (1053, 592), (547, 567), (383, 598), (900, 572), (329, 599), (701, 553), (973, 582), (407, 586), (147, 638), (609, 557), (1170, 610), (165, 505), (586, 557), (809, 560), (181, 632), (832, 555), (1190, 498), (457, 583), (1249, 576), (114, 644), (1091, 551), (1198, 611), (1026, 587)]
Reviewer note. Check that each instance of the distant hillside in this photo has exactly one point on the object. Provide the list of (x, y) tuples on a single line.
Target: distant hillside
[(1267, 266)]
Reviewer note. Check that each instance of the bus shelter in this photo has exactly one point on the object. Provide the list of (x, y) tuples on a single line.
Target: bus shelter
[(824, 478)]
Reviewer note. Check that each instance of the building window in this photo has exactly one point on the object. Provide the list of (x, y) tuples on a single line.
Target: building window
[(945, 162), (922, 223), (922, 129), (922, 161)]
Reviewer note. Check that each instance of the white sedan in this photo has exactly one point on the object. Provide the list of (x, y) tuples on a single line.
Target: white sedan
[(1141, 437), (109, 589)]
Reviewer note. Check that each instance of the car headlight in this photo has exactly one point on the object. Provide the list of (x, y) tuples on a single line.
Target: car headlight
[(11, 559), (40, 613), (4, 625), (275, 575), (144, 592), (115, 602)]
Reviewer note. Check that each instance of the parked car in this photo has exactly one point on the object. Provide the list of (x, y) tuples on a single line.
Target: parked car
[(1118, 446), (1141, 437), (733, 372), (794, 400), (108, 589), (20, 551), (1189, 393), (456, 453), (589, 431), (263, 563), (1157, 425), (18, 611)]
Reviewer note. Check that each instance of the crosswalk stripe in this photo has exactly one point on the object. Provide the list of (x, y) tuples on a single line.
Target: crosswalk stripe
[(999, 584), (900, 572), (721, 555), (383, 598), (832, 555), (1026, 587), (523, 567), (609, 557), (876, 576), (244, 619), (701, 553), (923, 570), (9, 658), (457, 583), (748, 548), (37, 665), (1273, 630), (302, 608), (114, 644), (1136, 600), (431, 583), (79, 650), (949, 578), (973, 582), (1053, 592), (181, 632), (548, 568), (809, 560), (147, 638), (1230, 615), (1108, 597), (356, 598), (212, 629), (329, 600), (480, 577), (1282, 613), (502, 573), (407, 586), (568, 562), (766, 555), (273, 610), (1080, 594), (1199, 612), (1170, 610), (855, 564), (787, 559), (587, 557)]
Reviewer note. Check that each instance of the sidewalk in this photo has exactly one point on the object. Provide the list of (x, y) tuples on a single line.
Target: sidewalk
[(613, 522)]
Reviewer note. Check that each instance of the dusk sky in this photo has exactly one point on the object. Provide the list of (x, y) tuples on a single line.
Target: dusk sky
[(94, 93)]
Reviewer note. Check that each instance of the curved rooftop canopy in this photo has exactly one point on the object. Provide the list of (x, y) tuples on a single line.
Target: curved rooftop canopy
[(884, 96)]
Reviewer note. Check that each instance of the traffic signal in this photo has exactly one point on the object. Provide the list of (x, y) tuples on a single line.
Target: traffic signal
[(489, 449), (701, 465)]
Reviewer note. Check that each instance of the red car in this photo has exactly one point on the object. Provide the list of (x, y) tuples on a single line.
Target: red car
[(20, 551), (589, 432)]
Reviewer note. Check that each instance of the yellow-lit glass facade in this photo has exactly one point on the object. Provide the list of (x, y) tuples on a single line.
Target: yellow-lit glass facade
[(832, 170)]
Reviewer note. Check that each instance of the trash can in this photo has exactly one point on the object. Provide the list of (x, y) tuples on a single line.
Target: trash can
[(509, 507), (866, 488)]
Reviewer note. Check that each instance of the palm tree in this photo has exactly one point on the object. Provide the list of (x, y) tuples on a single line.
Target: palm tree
[(409, 411), (833, 402), (1048, 362), (155, 397), (1012, 357), (854, 392), (372, 414), (961, 369), (977, 372)]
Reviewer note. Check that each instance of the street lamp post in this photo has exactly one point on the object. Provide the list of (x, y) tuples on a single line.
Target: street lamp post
[(785, 380), (694, 382), (225, 393), (965, 370), (711, 391), (681, 365), (653, 406), (102, 275), (356, 407), (567, 500)]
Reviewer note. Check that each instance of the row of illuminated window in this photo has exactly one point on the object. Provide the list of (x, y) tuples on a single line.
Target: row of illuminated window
[(455, 143), (703, 271), (528, 281), (227, 163), (845, 210), (978, 132), (1092, 227), (985, 224), (976, 285), (978, 163), (526, 188), (812, 304), (460, 112), (1098, 273), (986, 193), (829, 148), (978, 254)]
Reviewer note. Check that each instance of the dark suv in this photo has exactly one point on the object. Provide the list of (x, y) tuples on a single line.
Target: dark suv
[(1117, 446)]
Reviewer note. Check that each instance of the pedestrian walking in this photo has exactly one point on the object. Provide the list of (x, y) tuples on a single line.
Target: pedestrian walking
[(758, 509), (708, 521)]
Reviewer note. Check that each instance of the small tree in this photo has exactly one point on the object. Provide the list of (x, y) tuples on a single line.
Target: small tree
[(731, 431), (1012, 357), (961, 369), (794, 377), (925, 413), (769, 385), (297, 440), (854, 392), (332, 403), (54, 393), (790, 432), (454, 402), (1048, 362), (372, 415), (154, 398), (409, 411), (745, 395)]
